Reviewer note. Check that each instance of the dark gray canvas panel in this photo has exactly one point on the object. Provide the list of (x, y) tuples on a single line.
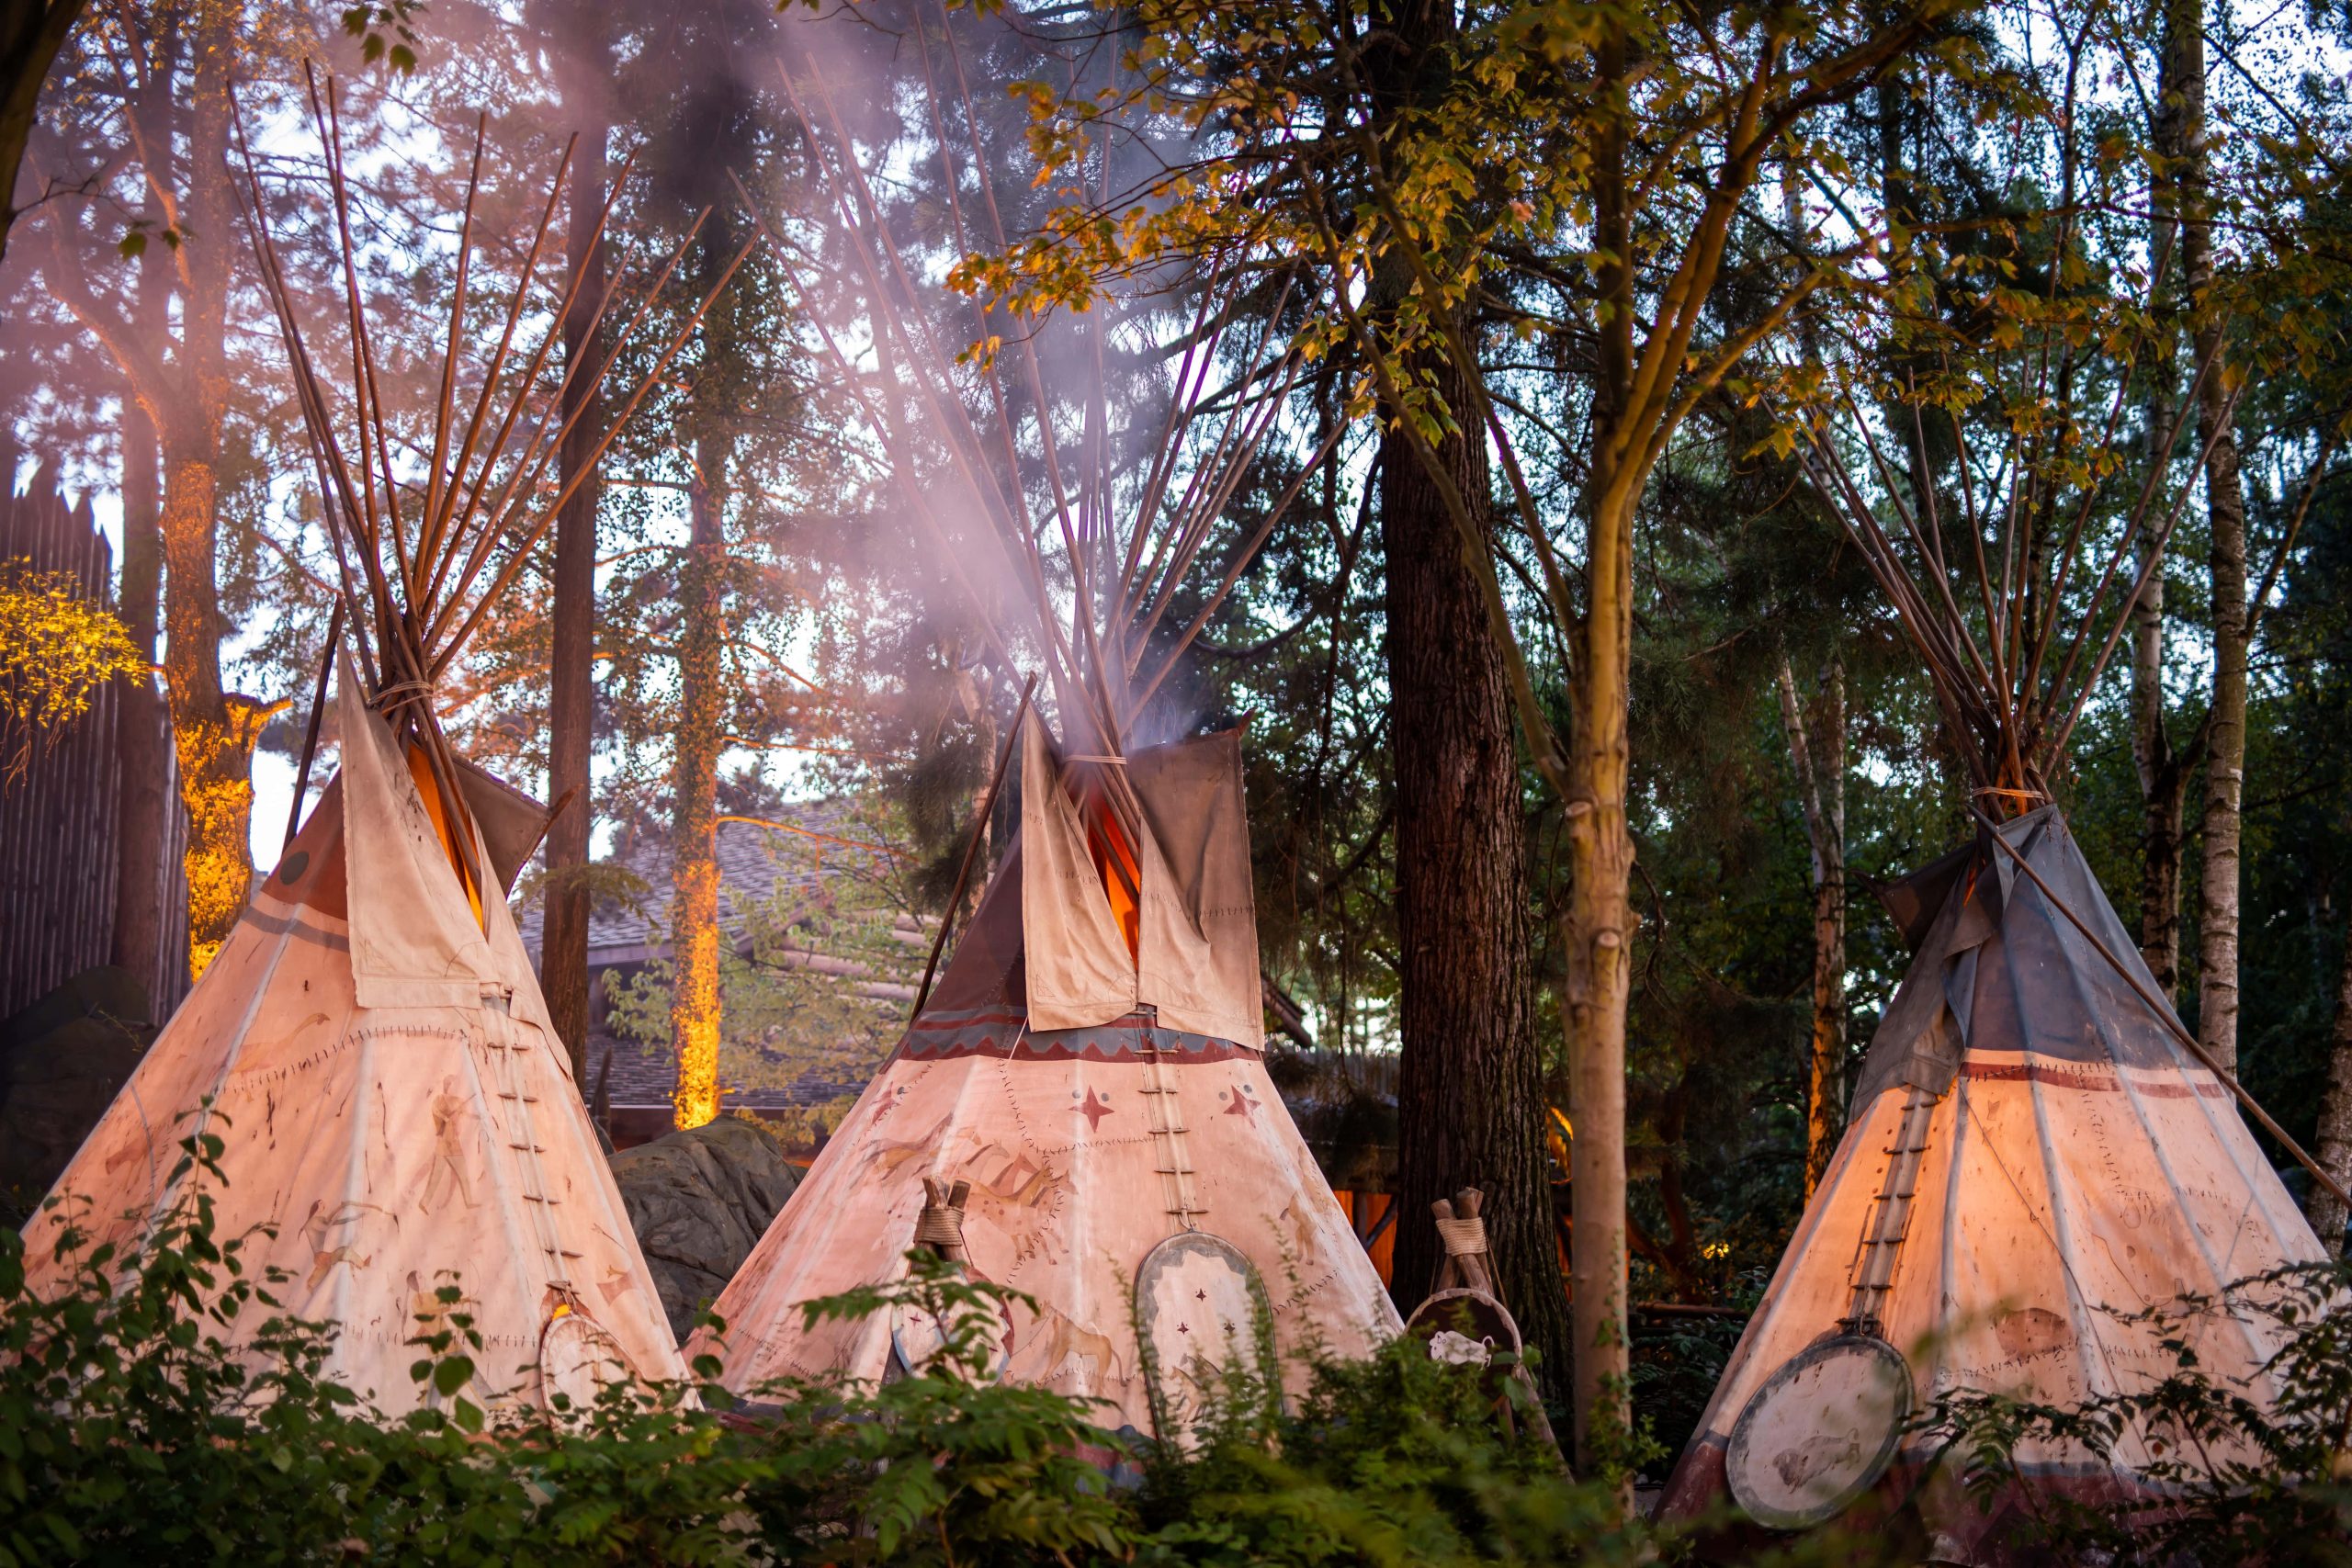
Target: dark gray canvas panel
[(2000, 968)]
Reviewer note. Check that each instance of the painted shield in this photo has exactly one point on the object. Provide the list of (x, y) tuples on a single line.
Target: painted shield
[(579, 1359), (1201, 1303)]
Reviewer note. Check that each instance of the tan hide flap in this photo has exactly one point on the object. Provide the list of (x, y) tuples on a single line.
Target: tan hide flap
[(511, 822), (413, 938), (1079, 974), (1199, 946)]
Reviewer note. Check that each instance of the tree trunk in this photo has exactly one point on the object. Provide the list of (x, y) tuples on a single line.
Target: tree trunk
[(694, 909), (1818, 748), (2162, 784), (1470, 1070), (1470, 1073), (2163, 772), (142, 799), (2335, 1144), (1598, 930), (2183, 99), (31, 33), (571, 658), (212, 731)]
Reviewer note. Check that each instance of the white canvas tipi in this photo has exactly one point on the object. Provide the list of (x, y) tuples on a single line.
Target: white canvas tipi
[(1093, 1064), (393, 1105), (396, 1112), (2033, 1159)]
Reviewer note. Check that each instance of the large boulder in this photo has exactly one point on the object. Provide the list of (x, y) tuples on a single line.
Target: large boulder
[(700, 1200), (62, 1061)]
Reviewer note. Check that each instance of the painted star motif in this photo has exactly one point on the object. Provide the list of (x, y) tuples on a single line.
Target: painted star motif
[(1094, 1110), (1242, 1106), (1200, 1295)]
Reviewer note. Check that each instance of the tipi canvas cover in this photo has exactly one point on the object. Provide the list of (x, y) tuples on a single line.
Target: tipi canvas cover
[(1093, 1068), (2033, 1159), (395, 1107)]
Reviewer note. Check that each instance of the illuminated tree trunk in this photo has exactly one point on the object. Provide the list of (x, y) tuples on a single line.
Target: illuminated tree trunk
[(1597, 933), (213, 731), (1598, 930), (1817, 750), (571, 658), (694, 909)]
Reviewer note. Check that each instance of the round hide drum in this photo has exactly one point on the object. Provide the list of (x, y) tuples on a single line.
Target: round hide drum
[(1469, 1327), (1819, 1432), (916, 1337), (579, 1359)]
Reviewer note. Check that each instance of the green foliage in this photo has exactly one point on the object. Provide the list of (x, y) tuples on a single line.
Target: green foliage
[(2251, 1473), (386, 33), (131, 1431)]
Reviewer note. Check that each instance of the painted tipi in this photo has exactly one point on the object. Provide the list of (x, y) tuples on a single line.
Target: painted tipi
[(2037, 1152), (1092, 1067), (395, 1111), (2033, 1159)]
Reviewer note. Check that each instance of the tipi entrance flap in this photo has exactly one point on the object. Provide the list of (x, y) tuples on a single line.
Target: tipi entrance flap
[(414, 942), (1199, 948), (1081, 975)]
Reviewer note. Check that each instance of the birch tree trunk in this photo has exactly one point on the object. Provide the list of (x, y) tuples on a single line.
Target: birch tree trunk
[(571, 656), (2333, 1150), (2183, 95)]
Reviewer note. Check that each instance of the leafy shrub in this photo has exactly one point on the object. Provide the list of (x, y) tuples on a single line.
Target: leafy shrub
[(130, 1431), (2244, 1479)]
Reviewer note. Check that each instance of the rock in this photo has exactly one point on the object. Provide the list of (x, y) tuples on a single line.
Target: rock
[(62, 1061), (700, 1200)]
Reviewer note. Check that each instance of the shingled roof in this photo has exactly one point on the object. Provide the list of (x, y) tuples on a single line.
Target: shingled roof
[(755, 870)]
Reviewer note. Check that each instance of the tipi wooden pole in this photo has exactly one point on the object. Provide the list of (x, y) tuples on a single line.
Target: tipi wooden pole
[(964, 871), (310, 735)]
